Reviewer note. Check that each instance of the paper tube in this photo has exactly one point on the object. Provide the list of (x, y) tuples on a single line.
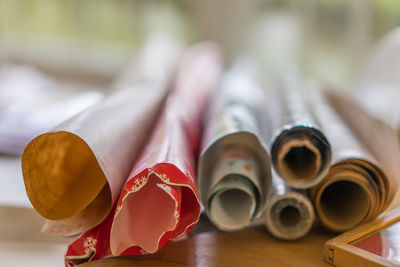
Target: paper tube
[(289, 213), (380, 140), (300, 152), (234, 166), (378, 92), (74, 173), (356, 187)]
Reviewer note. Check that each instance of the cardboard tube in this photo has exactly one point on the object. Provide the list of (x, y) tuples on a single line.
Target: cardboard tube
[(289, 214)]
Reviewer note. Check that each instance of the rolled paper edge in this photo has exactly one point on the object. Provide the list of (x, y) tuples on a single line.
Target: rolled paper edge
[(284, 169), (250, 190), (279, 144), (164, 171), (265, 170), (81, 214), (81, 222), (316, 196), (307, 208), (355, 119), (118, 248), (91, 245)]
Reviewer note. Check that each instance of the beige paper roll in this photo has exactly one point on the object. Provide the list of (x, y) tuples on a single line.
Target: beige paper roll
[(73, 174), (356, 187), (381, 140)]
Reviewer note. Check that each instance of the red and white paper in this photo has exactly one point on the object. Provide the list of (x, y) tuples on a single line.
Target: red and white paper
[(159, 201)]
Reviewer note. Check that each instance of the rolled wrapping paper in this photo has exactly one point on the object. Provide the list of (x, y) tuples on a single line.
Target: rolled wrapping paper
[(74, 173), (379, 138), (289, 213), (356, 187), (300, 152), (159, 201), (377, 90), (234, 166)]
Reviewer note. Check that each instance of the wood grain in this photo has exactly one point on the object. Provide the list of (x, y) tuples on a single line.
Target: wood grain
[(249, 247)]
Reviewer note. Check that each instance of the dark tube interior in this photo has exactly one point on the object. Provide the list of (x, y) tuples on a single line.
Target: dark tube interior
[(290, 216), (344, 203), (300, 162)]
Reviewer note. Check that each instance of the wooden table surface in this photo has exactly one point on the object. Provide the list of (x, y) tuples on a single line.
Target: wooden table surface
[(20, 235), (249, 247)]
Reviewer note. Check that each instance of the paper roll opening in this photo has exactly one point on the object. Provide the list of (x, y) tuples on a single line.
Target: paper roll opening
[(290, 216), (62, 176), (343, 204), (145, 216), (232, 208), (301, 156), (301, 162)]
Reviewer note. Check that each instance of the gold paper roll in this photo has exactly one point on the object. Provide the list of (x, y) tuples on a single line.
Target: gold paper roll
[(74, 173)]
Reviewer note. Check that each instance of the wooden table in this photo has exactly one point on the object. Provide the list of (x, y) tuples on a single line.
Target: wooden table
[(250, 247), (22, 244)]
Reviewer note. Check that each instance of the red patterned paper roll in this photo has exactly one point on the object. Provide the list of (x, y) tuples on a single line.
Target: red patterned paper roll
[(159, 201), (91, 245)]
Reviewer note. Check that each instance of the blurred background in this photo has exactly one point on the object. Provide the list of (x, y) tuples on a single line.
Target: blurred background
[(335, 35)]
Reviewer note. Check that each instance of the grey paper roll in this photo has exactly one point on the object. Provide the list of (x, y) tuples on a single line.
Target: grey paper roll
[(234, 167)]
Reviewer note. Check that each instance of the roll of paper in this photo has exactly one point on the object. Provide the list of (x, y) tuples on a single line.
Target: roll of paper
[(377, 90), (289, 213), (300, 152), (74, 173), (159, 201), (356, 187), (234, 166), (378, 138)]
